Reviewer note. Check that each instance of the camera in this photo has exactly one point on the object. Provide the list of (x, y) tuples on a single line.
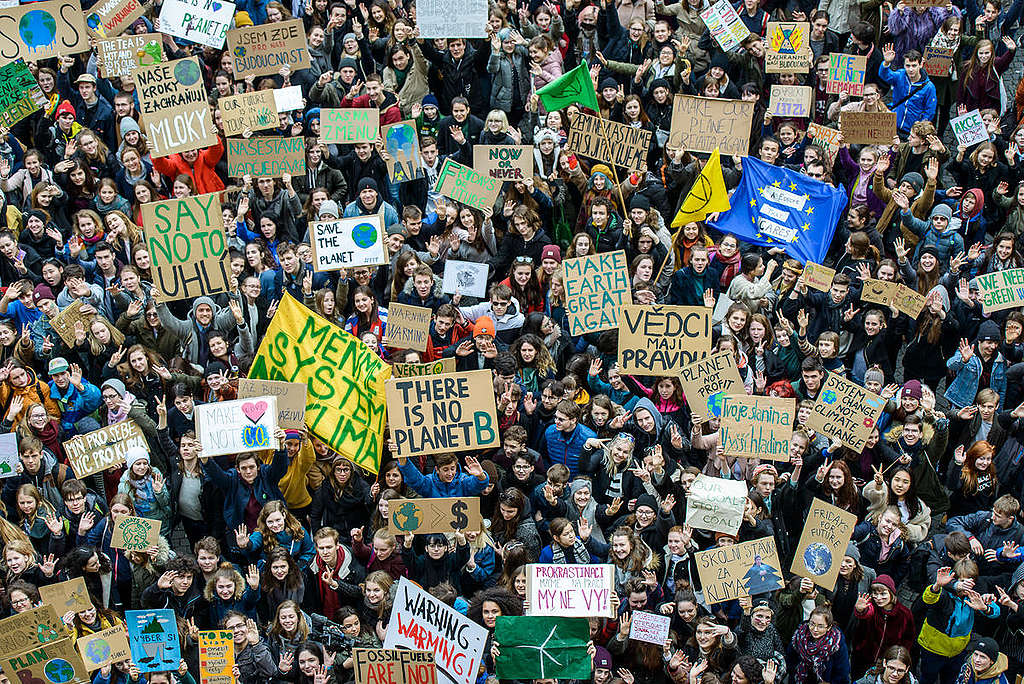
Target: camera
[(329, 633)]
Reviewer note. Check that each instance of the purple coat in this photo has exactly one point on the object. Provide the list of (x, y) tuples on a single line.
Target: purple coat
[(913, 31), (851, 170)]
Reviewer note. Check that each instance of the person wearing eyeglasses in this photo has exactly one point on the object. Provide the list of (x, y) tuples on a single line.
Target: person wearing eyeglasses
[(501, 308)]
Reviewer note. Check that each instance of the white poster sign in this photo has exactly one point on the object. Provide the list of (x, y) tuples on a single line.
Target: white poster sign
[(288, 99), (201, 21), (969, 128), (467, 277), (716, 504), (452, 18), (348, 243), (650, 627), (570, 590), (233, 427), (8, 455)]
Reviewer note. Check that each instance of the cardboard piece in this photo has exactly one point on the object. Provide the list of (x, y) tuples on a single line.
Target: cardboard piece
[(708, 380), (451, 413), (610, 142), (122, 55), (845, 411), (651, 628), (596, 288), (291, 399), (452, 18), (103, 648), (716, 504), (111, 18), (153, 638), (20, 95), (408, 327), (938, 62), (1001, 290), (909, 301), (187, 246), (173, 103), (349, 125), (135, 534), (969, 128), (25, 631), (64, 323), (827, 532), (40, 30), (700, 124), (879, 291), (469, 278), (735, 570), (660, 340), (262, 50), (724, 24), (393, 666), (826, 138), (201, 21), (504, 162), (64, 596), (868, 128), (412, 370), (818, 277), (465, 185), (55, 661), (571, 590), (238, 426), (528, 643), (846, 74), (402, 150), (104, 448), (788, 48), (9, 458), (269, 156), (249, 111), (791, 101), (216, 657), (429, 516), (348, 243), (757, 426)]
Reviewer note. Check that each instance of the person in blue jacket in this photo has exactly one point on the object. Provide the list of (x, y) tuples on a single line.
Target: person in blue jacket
[(913, 93), (289, 534), (446, 480), (76, 396), (564, 439)]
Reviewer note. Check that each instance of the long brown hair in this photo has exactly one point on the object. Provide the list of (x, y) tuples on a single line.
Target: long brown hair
[(969, 473)]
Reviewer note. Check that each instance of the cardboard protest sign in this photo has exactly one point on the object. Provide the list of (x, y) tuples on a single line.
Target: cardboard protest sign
[(408, 327), (291, 399), (9, 458), (1001, 290), (938, 61), (724, 24), (216, 657), (969, 128), (826, 138), (135, 534), (757, 426), (110, 18), (393, 666), (262, 50), (201, 21), (468, 278), (536, 647), (153, 638), (429, 516), (868, 128), (402, 152), (845, 411), (660, 340), (465, 185), (40, 30), (56, 661), (651, 628), (233, 427), (271, 156), (25, 631), (187, 246), (504, 162), (787, 49), (419, 621), (255, 111), (878, 291), (349, 125), (411, 370), (64, 596), (791, 101), (64, 323), (103, 648), (716, 504), (827, 532), (597, 286), (736, 570), (570, 590), (708, 380), (348, 243), (104, 448), (451, 18), (122, 55), (430, 415), (846, 74), (173, 103), (701, 124), (20, 95), (609, 141), (909, 301), (818, 277)]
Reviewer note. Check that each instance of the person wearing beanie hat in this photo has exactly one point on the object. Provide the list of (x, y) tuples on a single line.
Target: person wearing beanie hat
[(874, 379), (429, 100), (977, 366), (602, 661), (483, 326), (146, 487), (242, 19), (911, 390), (370, 201), (940, 231), (986, 664), (551, 253), (328, 210), (882, 622)]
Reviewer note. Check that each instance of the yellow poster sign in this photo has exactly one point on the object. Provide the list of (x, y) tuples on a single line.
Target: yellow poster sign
[(216, 657)]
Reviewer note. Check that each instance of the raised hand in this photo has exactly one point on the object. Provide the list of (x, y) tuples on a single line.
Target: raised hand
[(966, 350)]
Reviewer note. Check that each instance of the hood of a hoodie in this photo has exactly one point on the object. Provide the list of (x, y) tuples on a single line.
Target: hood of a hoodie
[(979, 205), (659, 420), (204, 300)]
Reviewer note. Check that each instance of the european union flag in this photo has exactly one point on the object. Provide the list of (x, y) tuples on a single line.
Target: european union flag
[(776, 207)]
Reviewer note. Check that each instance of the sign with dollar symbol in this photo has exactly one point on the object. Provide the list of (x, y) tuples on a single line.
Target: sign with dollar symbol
[(427, 516)]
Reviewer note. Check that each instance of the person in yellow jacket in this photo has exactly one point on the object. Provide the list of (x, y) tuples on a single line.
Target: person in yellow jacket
[(293, 485)]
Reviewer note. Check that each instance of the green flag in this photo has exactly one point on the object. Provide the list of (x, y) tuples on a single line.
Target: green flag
[(574, 87), (537, 647)]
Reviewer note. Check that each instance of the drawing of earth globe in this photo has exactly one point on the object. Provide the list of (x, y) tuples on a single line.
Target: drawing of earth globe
[(715, 404), (829, 397), (37, 28), (817, 559), (59, 671), (187, 72), (97, 650), (364, 235)]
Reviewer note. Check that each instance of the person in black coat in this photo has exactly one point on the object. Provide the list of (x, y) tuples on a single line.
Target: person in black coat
[(343, 501)]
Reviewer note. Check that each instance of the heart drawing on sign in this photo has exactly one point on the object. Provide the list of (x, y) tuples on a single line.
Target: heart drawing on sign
[(216, 6), (254, 410)]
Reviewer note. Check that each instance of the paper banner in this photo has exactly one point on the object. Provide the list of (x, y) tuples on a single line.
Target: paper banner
[(757, 426), (504, 162), (238, 426), (845, 411), (707, 381), (291, 399), (969, 128), (348, 243), (609, 141), (20, 95), (349, 125), (661, 339), (153, 638), (827, 532), (878, 291), (64, 323), (110, 18), (826, 138), (173, 103), (452, 19), (724, 24), (104, 448), (216, 657), (411, 370), (249, 111), (55, 662), (135, 534), (40, 30), (468, 278), (408, 327), (393, 666), (791, 101), (122, 55), (938, 61), (716, 504), (25, 631), (535, 647), (9, 458), (651, 628), (201, 21), (103, 648), (700, 124), (430, 516), (735, 570), (571, 590), (597, 286), (465, 185), (818, 277), (262, 50), (71, 595), (270, 156)]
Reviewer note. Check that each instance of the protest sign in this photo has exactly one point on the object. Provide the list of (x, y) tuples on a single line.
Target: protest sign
[(237, 426), (402, 152), (868, 128), (452, 19), (845, 411), (104, 448), (135, 534), (791, 101), (724, 24), (504, 162), (345, 379), (103, 648), (262, 50), (707, 381), (270, 156), (609, 141), (757, 426), (216, 657), (429, 516), (173, 103), (348, 243), (716, 504), (818, 277), (597, 286), (291, 399), (938, 61), (25, 631), (412, 370), (345, 126), (122, 55), (20, 95), (969, 128), (55, 662), (825, 137), (255, 111), (289, 99), (846, 74), (925, 3), (878, 291), (651, 628), (153, 638), (201, 21), (701, 124), (110, 18), (571, 590), (660, 340), (64, 323), (788, 50), (47, 29), (827, 532), (393, 666), (419, 621), (468, 278), (909, 301), (530, 644), (9, 459), (408, 327), (465, 185), (1001, 290), (430, 415), (736, 570), (187, 246), (68, 595)]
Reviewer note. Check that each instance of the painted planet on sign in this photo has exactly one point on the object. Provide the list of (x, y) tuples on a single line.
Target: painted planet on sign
[(817, 559), (715, 404), (829, 397), (186, 72), (97, 650), (59, 671), (37, 28), (364, 235)]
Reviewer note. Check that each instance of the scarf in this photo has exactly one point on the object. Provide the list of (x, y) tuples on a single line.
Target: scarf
[(814, 653), (119, 415), (327, 595), (580, 554), (142, 495), (732, 267), (50, 437), (941, 40)]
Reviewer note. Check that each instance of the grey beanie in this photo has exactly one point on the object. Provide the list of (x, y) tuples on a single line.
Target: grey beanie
[(874, 373), (941, 210), (853, 552), (578, 485), (328, 208), (915, 179), (116, 385)]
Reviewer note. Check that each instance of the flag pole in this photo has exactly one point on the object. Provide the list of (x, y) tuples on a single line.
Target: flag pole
[(671, 251), (615, 173)]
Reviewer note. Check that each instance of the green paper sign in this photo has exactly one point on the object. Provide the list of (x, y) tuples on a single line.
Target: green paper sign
[(533, 647)]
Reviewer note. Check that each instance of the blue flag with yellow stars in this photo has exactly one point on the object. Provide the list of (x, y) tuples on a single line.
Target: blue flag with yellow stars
[(776, 207)]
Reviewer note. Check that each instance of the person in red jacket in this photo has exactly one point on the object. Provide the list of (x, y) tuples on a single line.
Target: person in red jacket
[(198, 164), (384, 100), (882, 621)]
